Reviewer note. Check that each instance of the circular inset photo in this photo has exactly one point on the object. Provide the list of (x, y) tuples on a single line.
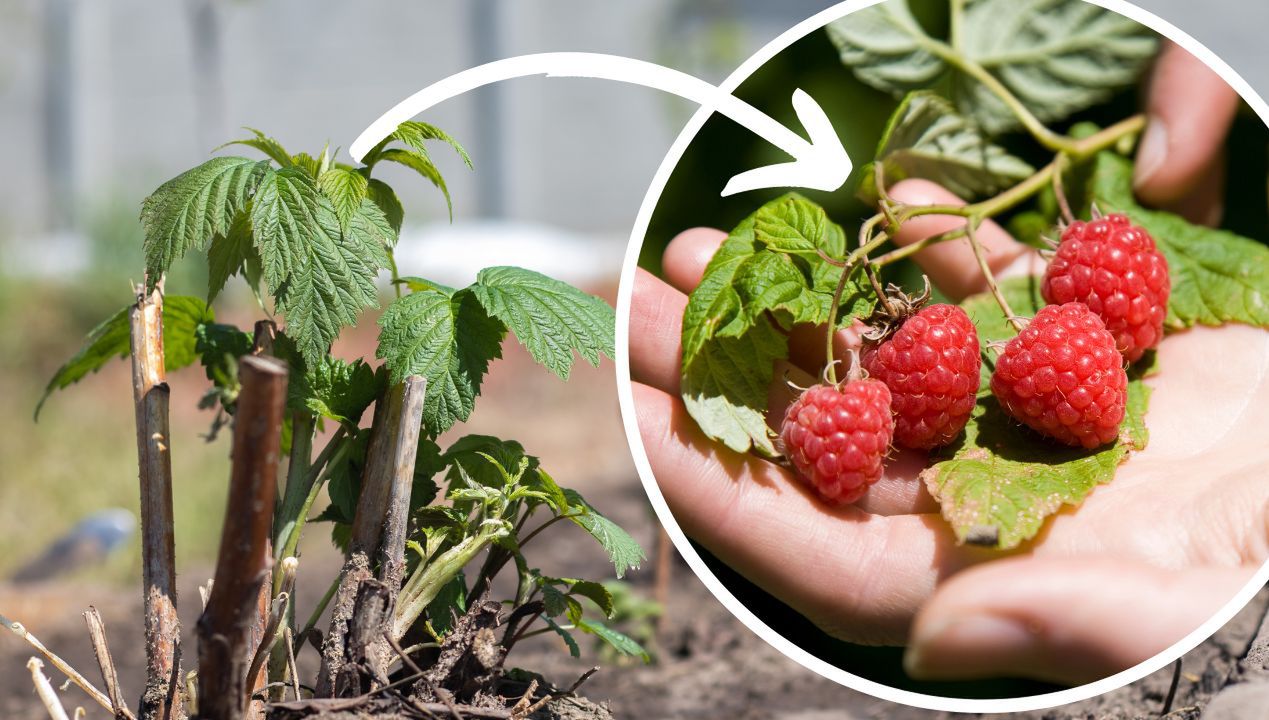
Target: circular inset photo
[(984, 427)]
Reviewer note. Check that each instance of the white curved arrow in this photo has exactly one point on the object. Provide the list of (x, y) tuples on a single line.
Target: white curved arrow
[(821, 164)]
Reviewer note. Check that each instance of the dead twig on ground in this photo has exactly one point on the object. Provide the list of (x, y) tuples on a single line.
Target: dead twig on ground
[(109, 676), (45, 690), (20, 630)]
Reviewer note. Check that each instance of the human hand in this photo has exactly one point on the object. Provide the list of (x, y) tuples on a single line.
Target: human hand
[(1181, 158), (1142, 562)]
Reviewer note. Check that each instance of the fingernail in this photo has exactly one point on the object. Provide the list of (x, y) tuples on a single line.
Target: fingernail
[(968, 646), (1153, 151)]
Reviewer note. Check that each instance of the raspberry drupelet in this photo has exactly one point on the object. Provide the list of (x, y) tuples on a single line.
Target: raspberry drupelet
[(836, 436), (1114, 268), (931, 365), (1063, 377)]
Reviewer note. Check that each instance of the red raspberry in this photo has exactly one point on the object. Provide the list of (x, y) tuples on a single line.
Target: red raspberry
[(931, 366), (837, 437), (1114, 268), (1063, 377)]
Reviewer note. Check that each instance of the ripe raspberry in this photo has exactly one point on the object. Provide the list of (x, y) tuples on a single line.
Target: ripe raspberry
[(1063, 377), (931, 366), (837, 437), (1114, 268)]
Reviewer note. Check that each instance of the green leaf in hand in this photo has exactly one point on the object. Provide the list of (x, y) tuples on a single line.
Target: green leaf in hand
[(998, 483), (928, 139), (1217, 277), (769, 275), (1057, 57), (885, 46)]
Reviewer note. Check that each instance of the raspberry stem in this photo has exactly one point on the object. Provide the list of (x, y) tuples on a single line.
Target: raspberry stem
[(1012, 197), (989, 277), (1063, 164)]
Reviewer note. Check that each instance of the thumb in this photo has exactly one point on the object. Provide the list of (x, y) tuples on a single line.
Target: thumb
[(1062, 620)]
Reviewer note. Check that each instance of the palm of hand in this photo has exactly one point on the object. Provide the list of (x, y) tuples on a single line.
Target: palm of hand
[(1195, 501)]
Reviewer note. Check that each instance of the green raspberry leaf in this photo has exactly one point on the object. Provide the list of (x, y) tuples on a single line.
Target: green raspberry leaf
[(219, 348), (111, 339), (885, 46), (769, 275), (370, 227), (421, 164), (623, 550), (725, 388), (1056, 56), (1000, 481), (346, 190), (618, 641), (927, 138), (285, 217), (335, 389), (189, 210), (322, 278), (468, 460), (382, 195), (448, 339), (550, 318), (416, 134), (264, 144), (231, 254), (1217, 277)]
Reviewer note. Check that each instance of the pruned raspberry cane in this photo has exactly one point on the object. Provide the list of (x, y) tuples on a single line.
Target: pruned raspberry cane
[(837, 437), (1063, 377), (1114, 268), (931, 364)]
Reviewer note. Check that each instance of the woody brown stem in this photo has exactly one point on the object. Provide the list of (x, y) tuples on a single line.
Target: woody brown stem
[(244, 562), (161, 700), (379, 525)]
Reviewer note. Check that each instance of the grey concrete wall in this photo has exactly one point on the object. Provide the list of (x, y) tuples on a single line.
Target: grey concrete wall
[(573, 153)]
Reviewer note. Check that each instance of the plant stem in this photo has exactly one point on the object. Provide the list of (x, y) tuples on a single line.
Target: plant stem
[(317, 477), (321, 608), (426, 583), (303, 425), (242, 564), (20, 630), (990, 277), (1059, 189), (1038, 130), (151, 394), (301, 494), (957, 22)]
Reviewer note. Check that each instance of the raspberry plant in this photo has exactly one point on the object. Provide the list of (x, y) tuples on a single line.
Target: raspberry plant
[(1007, 73), (311, 236)]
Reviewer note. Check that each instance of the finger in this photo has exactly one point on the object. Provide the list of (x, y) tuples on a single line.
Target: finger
[(656, 320), (1190, 109), (685, 258), (951, 265), (1205, 204), (1071, 620), (858, 576)]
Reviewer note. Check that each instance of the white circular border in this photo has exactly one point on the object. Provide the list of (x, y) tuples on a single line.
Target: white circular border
[(625, 392)]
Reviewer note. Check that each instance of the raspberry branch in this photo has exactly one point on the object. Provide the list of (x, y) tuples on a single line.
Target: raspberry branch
[(979, 255)]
